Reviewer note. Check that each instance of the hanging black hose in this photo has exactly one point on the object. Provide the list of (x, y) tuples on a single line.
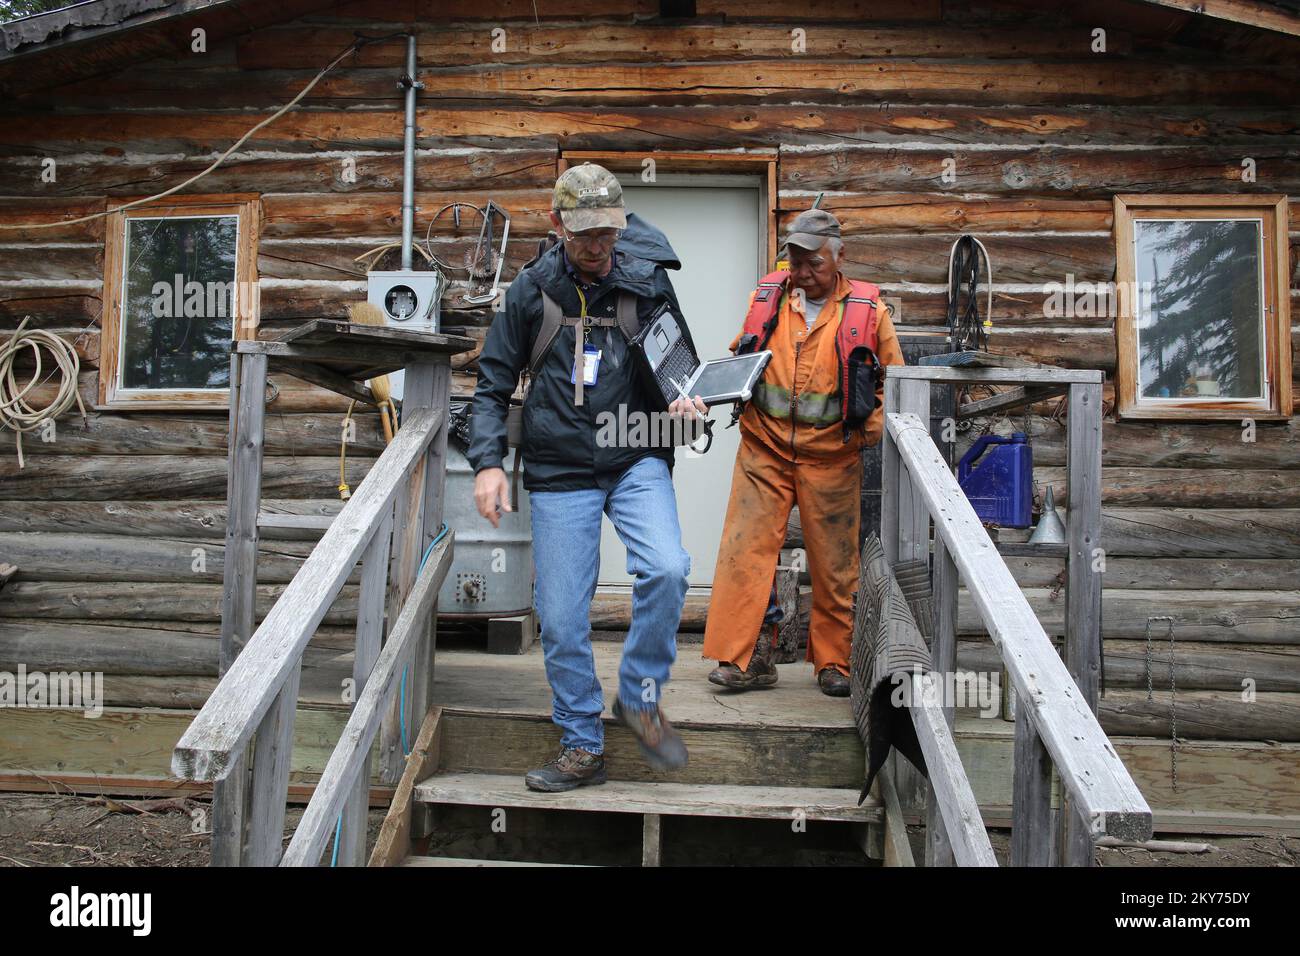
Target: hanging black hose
[(967, 328)]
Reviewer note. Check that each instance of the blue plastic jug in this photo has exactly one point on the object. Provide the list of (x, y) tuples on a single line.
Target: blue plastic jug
[(1000, 484)]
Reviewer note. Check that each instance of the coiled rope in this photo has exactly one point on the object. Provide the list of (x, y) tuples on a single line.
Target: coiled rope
[(16, 410)]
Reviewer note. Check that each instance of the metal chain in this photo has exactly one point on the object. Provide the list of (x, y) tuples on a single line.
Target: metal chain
[(1173, 722)]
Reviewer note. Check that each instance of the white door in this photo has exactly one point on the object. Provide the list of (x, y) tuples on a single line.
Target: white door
[(718, 227)]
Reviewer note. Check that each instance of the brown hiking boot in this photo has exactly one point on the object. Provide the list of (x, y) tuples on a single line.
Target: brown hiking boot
[(832, 682), (571, 769), (661, 746), (761, 671)]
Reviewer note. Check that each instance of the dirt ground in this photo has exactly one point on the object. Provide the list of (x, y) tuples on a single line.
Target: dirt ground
[(73, 830)]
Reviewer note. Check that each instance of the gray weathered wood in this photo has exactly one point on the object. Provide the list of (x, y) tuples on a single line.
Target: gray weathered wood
[(1083, 584), (943, 658), (1036, 375), (913, 545), (950, 786), (652, 836), (898, 850), (1089, 767), (1009, 400), (1031, 798), (349, 757), (230, 800), (668, 799), (370, 637), (268, 519), (227, 721), (892, 474), (272, 751)]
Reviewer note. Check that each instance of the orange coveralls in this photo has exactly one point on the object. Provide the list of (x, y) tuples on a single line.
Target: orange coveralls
[(801, 459)]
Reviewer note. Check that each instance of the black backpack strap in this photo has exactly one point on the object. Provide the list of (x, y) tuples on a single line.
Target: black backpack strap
[(625, 309), (552, 319)]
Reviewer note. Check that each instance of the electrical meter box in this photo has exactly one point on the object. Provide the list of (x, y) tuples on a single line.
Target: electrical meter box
[(408, 300)]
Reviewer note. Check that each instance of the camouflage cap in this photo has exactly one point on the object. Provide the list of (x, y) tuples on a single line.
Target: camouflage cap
[(811, 228), (589, 197)]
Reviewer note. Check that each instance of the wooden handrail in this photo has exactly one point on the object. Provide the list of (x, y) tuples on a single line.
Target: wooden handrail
[(224, 726), (1097, 781), (348, 760)]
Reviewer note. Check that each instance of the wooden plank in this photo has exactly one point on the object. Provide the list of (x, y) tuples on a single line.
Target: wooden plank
[(325, 378), (226, 721), (898, 849), (1031, 798), (957, 805), (230, 800), (1264, 16), (460, 862), (370, 637), (1083, 585), (335, 331), (666, 799), (892, 475), (349, 757), (1037, 375), (943, 658), (651, 839), (272, 751), (1004, 402), (1088, 765), (394, 842)]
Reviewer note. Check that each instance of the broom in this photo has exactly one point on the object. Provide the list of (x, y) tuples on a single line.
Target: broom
[(364, 313)]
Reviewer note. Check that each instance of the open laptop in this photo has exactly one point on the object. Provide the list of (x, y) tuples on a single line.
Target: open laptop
[(669, 359)]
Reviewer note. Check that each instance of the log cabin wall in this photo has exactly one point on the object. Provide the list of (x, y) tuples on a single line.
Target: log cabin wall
[(1042, 132)]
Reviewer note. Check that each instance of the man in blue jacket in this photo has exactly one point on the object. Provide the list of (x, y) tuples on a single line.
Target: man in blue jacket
[(602, 288)]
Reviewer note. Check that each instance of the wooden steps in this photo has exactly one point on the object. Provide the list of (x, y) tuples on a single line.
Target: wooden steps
[(665, 799)]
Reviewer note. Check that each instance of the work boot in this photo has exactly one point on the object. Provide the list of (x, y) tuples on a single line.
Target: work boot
[(832, 682), (662, 746), (761, 671), (571, 769)]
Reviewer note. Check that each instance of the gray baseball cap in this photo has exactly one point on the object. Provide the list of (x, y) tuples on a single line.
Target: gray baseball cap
[(811, 228), (589, 197)]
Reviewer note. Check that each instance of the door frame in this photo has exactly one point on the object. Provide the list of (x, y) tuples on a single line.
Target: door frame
[(760, 164)]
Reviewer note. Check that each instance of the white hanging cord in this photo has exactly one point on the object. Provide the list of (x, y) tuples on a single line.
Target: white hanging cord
[(16, 411)]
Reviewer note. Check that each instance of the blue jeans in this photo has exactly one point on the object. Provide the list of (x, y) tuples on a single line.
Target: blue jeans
[(566, 553)]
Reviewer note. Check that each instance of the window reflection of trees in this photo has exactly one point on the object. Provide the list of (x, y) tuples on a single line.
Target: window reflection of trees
[(178, 351), (1204, 310)]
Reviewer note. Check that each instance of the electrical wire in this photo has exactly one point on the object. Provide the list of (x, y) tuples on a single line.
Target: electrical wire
[(353, 47), (16, 411)]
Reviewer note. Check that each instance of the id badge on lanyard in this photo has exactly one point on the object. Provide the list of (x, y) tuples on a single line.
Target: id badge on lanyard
[(590, 367)]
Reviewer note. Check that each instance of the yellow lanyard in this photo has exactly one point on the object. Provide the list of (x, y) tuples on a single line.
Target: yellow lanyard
[(582, 311)]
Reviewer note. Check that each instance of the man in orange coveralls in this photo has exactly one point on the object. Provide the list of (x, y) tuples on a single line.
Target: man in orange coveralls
[(798, 446)]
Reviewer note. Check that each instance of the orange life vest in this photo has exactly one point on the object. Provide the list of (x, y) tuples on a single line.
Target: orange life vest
[(855, 342)]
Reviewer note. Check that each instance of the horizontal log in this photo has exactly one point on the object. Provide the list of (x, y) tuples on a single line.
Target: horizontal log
[(1016, 258), (1201, 715), (1187, 487), (296, 259), (41, 211), (1177, 444), (47, 260), (92, 646), (342, 174), (1259, 617), (1079, 174), (144, 600), (809, 78), (919, 211), (60, 477), (702, 127), (125, 433), (163, 518), (1207, 532), (379, 215), (57, 556), (303, 47), (1179, 574), (1197, 665)]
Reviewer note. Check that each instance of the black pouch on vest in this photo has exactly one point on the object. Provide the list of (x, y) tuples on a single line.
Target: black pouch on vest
[(864, 376)]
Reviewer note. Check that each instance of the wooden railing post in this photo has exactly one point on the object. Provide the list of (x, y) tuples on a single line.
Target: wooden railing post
[(246, 436), (1031, 797), (269, 784), (913, 545), (370, 635), (1083, 584), (943, 661)]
